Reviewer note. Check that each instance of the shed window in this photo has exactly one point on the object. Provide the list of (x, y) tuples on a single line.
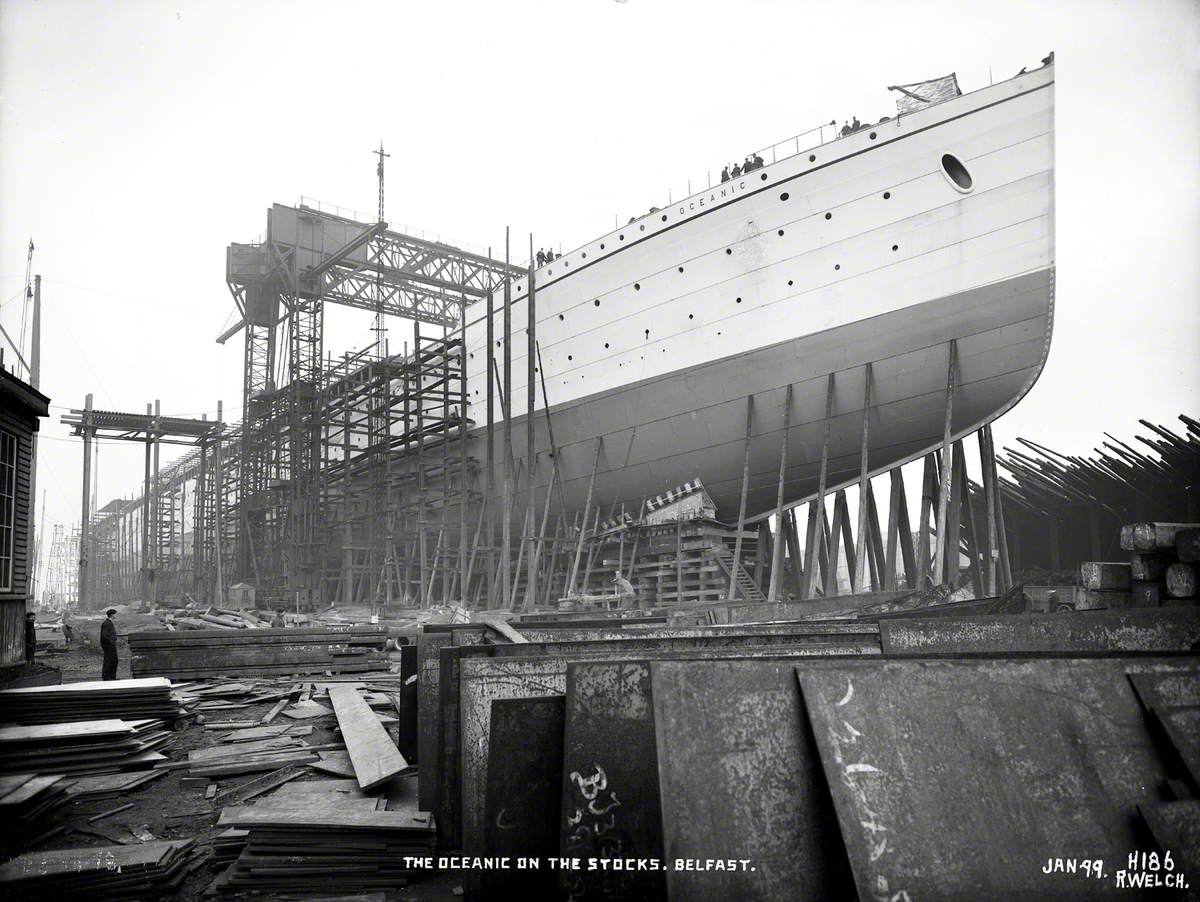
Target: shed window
[(8, 507)]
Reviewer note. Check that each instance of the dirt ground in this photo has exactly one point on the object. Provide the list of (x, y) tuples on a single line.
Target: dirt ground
[(170, 810)]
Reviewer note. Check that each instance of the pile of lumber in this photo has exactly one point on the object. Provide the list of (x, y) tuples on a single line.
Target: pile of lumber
[(203, 654), (26, 798), (99, 700), (135, 871), (255, 756), (218, 618), (82, 747), (1162, 568), (109, 786), (318, 841)]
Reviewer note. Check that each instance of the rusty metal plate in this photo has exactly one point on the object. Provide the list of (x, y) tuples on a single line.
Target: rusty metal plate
[(429, 641), (1176, 828), (524, 793), (1174, 700), (610, 801), (1136, 631), (740, 779), (483, 679), (961, 779)]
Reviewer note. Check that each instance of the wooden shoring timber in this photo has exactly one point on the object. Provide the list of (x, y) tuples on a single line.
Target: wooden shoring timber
[(860, 549), (506, 448), (531, 592), (530, 423), (741, 521), (793, 551), (987, 462), (954, 510), (967, 517), (587, 509), (945, 496), (762, 548), (526, 537), (929, 503), (592, 547), (777, 549), (875, 543), (893, 529), (816, 545), (823, 546)]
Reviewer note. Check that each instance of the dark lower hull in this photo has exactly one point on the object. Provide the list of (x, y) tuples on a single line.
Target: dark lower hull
[(661, 432)]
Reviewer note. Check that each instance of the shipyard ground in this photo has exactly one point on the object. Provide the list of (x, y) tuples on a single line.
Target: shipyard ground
[(170, 810)]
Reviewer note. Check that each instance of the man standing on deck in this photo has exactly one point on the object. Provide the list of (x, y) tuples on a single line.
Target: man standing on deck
[(108, 644)]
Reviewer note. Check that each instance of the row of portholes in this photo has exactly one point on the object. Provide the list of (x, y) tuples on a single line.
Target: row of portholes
[(642, 228), (812, 158)]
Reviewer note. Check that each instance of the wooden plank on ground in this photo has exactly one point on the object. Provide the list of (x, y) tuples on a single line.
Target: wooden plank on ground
[(376, 758)]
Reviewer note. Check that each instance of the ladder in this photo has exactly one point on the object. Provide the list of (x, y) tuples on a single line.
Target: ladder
[(746, 586)]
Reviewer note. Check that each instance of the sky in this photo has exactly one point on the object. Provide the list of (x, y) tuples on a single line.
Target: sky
[(138, 139)]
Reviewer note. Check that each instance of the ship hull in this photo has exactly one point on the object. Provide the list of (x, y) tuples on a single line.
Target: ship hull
[(655, 339), (657, 433)]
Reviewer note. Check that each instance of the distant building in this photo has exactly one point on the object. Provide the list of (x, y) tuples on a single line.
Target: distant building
[(21, 407)]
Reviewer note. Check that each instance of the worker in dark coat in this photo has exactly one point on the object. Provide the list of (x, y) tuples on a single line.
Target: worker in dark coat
[(30, 636), (108, 644)]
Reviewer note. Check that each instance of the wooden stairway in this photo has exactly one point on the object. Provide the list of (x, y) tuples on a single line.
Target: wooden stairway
[(746, 586)]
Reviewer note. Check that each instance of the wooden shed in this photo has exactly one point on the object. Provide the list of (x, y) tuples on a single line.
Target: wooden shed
[(21, 407)]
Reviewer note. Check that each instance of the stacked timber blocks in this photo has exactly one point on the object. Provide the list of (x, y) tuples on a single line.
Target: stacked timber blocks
[(201, 654), (1162, 566)]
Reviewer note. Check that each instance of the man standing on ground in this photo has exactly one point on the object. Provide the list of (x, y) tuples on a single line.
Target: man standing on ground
[(30, 636), (108, 644)]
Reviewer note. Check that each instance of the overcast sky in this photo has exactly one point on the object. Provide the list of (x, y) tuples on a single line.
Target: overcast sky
[(137, 139)]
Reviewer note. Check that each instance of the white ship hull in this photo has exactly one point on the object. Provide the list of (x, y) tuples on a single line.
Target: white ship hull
[(654, 336)]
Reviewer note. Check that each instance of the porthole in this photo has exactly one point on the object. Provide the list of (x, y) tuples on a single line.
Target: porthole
[(739, 300), (789, 283), (829, 216), (895, 247), (596, 302), (566, 263), (647, 333), (560, 316), (569, 357), (585, 255), (783, 196), (781, 233), (728, 250), (664, 217), (887, 195), (763, 176), (622, 237), (602, 247), (691, 316), (956, 172), (812, 158), (871, 136), (549, 272), (837, 266), (606, 344), (637, 286), (642, 227), (681, 269)]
